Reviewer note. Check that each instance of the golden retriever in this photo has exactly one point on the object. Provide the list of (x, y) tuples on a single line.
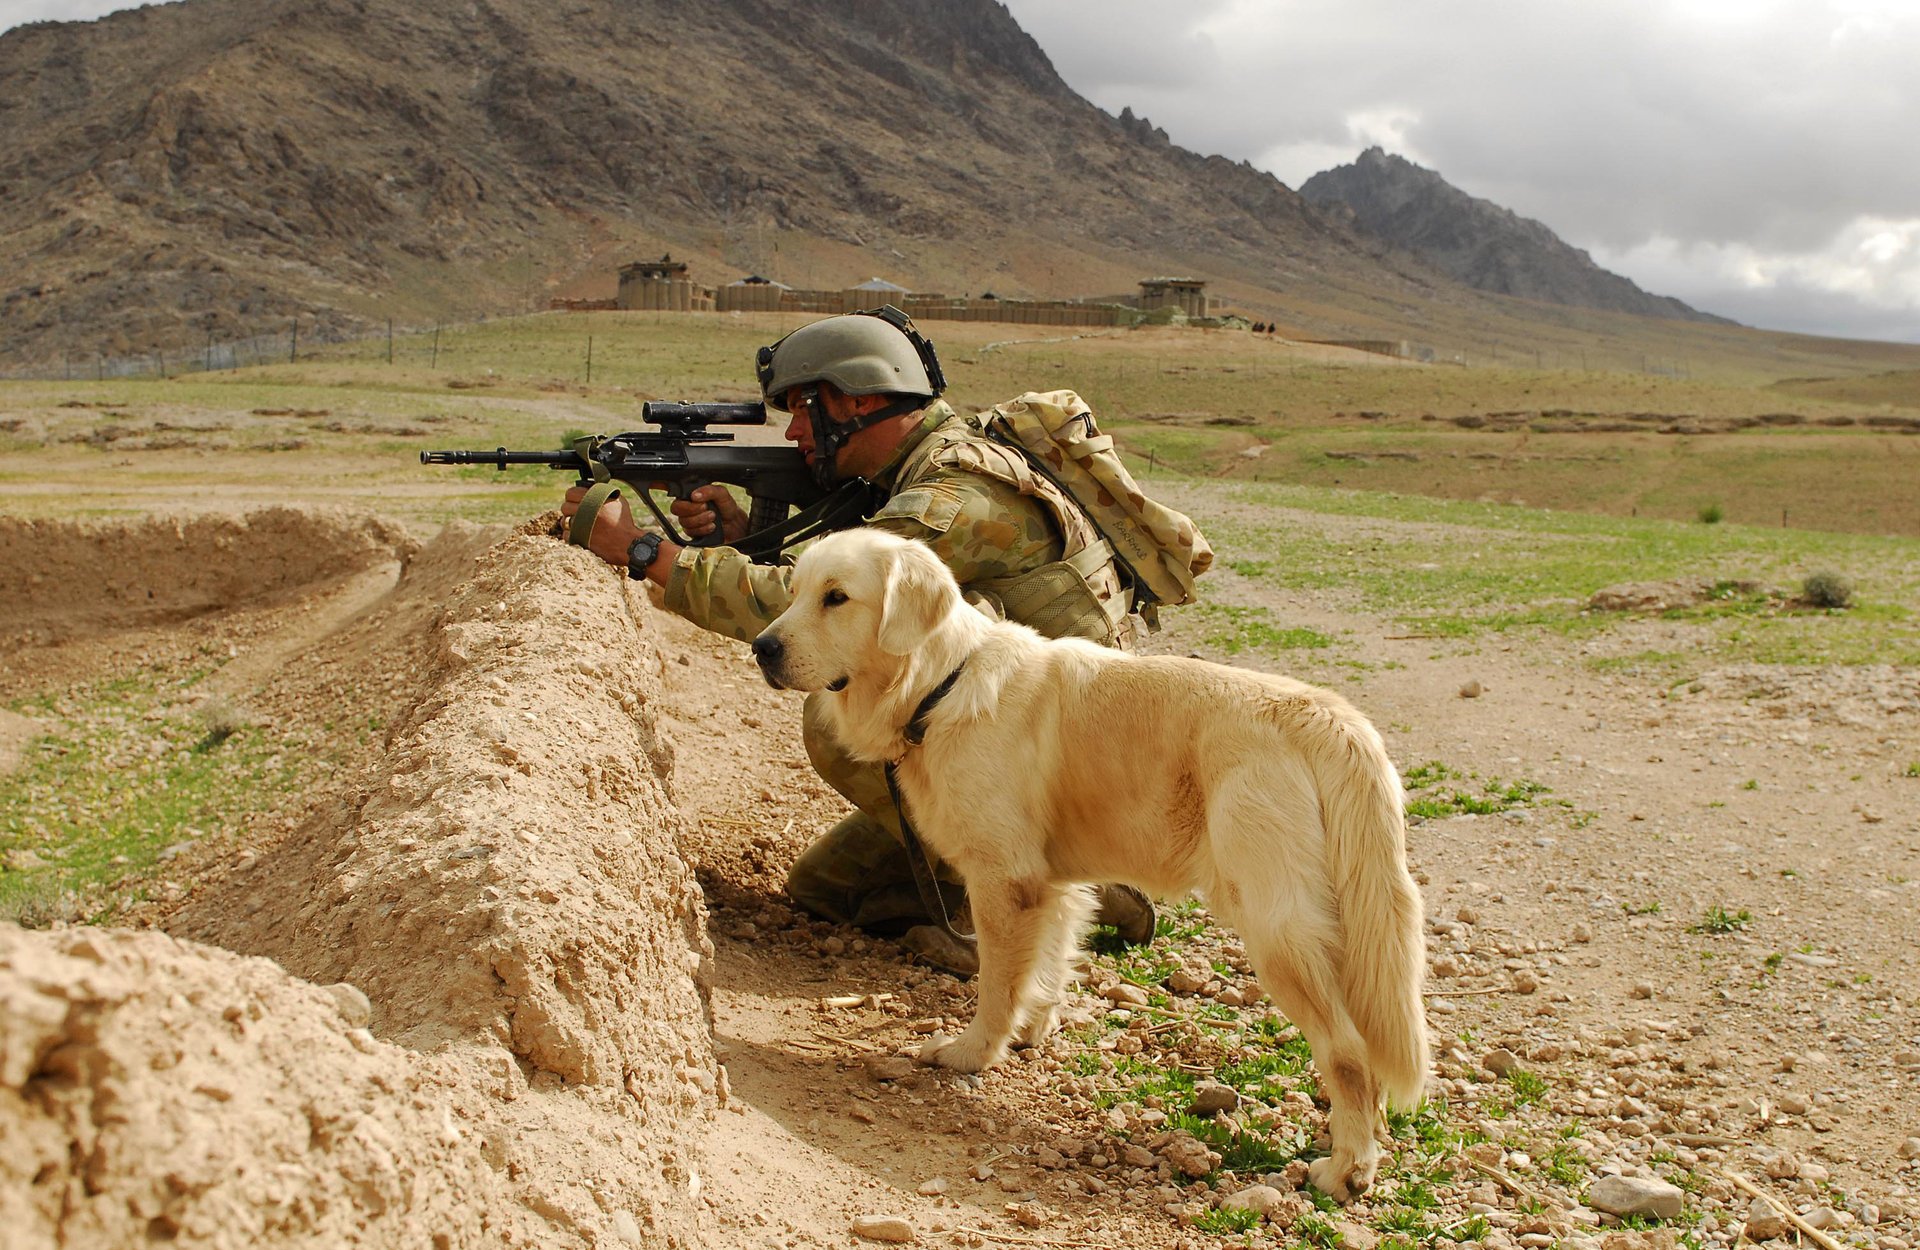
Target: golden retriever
[(1049, 764)]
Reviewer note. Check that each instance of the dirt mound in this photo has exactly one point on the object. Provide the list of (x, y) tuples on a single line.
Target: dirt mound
[(505, 886), (61, 580), (157, 1090)]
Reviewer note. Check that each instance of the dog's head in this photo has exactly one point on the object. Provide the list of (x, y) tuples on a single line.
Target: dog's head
[(863, 601)]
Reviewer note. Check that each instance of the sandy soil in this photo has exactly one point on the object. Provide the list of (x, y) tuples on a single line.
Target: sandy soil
[(523, 972)]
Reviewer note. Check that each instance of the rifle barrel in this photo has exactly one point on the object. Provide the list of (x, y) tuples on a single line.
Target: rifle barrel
[(500, 458)]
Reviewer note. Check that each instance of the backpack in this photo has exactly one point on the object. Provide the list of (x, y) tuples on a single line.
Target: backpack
[(1159, 551)]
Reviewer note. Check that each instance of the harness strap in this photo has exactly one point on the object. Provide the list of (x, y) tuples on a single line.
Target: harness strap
[(918, 860)]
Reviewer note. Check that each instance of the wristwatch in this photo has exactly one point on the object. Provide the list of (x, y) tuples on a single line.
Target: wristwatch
[(642, 553)]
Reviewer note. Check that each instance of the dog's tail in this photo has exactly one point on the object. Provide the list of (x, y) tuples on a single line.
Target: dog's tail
[(1385, 957)]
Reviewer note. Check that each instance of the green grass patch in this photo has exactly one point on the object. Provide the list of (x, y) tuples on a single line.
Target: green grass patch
[(1436, 791), (1234, 629), (1719, 920), (123, 772), (1227, 1221)]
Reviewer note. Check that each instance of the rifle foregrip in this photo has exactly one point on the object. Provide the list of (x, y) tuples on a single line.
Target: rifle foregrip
[(764, 514)]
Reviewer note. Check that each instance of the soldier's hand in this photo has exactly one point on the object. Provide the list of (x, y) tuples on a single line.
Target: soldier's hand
[(613, 529), (696, 515)]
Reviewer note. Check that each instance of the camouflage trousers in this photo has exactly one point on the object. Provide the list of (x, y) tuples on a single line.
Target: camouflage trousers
[(858, 872)]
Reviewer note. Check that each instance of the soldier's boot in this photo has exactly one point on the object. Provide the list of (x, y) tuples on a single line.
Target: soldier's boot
[(1128, 911), (947, 951)]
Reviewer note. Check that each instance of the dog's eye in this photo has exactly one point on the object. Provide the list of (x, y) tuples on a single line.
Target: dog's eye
[(834, 597)]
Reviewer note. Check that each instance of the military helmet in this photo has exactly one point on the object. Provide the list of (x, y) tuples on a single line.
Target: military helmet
[(872, 352)]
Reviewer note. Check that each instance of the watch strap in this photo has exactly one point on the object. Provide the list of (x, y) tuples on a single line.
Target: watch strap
[(642, 552)]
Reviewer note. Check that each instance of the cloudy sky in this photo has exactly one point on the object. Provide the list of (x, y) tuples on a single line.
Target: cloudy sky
[(1757, 158)]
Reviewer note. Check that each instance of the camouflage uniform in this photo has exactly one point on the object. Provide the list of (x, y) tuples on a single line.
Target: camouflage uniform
[(1013, 541)]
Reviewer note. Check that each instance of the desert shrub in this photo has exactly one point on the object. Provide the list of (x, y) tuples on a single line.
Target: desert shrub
[(1826, 590), (1711, 514)]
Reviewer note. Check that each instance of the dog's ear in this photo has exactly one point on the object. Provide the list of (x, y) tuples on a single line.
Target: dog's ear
[(916, 600)]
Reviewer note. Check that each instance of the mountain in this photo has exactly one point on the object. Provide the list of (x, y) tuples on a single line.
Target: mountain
[(1477, 242), (211, 169)]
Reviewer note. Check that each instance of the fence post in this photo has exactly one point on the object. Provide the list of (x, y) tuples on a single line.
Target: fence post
[(589, 360), (293, 342), (389, 340), (436, 345)]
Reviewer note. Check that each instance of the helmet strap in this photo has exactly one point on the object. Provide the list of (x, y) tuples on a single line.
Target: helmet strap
[(829, 436)]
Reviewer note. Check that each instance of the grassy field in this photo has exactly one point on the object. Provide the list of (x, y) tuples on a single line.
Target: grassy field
[(341, 424), (1345, 477)]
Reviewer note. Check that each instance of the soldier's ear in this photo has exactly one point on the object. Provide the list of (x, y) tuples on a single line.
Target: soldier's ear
[(917, 597)]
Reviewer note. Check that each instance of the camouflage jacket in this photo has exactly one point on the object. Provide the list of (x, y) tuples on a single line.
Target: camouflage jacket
[(1011, 538)]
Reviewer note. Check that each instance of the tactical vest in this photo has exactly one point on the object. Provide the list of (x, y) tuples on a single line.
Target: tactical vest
[(1080, 595)]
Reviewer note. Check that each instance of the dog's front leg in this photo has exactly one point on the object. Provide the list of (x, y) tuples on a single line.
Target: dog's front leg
[(1010, 918)]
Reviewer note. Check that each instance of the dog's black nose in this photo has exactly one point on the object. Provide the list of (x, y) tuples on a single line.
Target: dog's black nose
[(767, 649)]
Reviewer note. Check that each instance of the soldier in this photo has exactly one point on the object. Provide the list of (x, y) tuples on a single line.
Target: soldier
[(862, 393)]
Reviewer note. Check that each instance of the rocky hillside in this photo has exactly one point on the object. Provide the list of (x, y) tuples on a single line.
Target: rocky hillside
[(212, 168), (1478, 242)]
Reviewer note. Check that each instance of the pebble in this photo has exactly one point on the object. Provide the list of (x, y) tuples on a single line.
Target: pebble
[(1259, 1199), (888, 1067), (883, 1228), (1763, 1223), (1124, 993), (1472, 690), (1910, 1148), (1636, 1195), (353, 1005), (1213, 1098), (1500, 1061)]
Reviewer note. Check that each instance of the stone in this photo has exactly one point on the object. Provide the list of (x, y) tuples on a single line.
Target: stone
[(1212, 1098), (888, 1067), (1763, 1222), (352, 1004), (1500, 1061), (889, 1228), (1259, 1199), (1125, 994), (1635, 1195)]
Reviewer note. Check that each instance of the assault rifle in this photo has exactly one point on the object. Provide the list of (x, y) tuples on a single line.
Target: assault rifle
[(684, 454)]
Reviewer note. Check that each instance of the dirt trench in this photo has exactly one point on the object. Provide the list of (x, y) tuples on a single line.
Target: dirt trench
[(465, 1002)]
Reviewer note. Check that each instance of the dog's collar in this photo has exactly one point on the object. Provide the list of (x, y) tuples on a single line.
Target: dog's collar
[(916, 731)]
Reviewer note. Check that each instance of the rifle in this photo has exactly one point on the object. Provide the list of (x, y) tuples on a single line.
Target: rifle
[(682, 455)]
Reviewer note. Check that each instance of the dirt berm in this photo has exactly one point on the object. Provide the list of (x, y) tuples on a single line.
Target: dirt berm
[(467, 1002)]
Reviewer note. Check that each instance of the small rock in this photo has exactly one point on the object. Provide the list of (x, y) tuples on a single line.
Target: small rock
[(1212, 1098), (888, 1067), (1910, 1148), (1641, 989), (1635, 1195), (1500, 1061), (933, 1187), (1186, 981), (352, 1004), (1582, 933), (883, 1228), (1793, 1104), (1763, 1222), (1259, 1199), (1472, 690), (626, 1228), (1125, 994)]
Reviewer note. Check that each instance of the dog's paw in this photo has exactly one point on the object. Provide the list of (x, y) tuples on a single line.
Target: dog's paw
[(966, 1053), (1342, 1182), (1039, 1026)]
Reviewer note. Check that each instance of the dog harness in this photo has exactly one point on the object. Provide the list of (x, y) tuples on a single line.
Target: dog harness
[(915, 733)]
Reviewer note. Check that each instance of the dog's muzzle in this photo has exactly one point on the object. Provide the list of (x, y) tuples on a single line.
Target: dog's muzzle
[(768, 652)]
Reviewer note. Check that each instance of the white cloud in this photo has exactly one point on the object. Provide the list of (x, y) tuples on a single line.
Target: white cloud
[(1682, 140)]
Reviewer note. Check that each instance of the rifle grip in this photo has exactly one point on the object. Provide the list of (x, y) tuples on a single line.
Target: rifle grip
[(715, 537)]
